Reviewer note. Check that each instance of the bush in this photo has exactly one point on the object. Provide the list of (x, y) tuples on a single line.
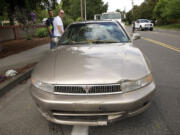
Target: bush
[(41, 32), (79, 19), (67, 20), (28, 37)]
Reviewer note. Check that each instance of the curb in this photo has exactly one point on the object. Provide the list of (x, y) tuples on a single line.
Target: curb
[(7, 86)]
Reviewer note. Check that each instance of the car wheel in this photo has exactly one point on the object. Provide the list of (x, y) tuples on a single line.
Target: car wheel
[(140, 28), (151, 29)]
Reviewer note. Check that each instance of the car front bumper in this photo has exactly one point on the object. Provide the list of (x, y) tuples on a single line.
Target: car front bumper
[(92, 110), (147, 27)]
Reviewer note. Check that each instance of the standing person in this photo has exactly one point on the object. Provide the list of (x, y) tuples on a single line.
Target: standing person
[(133, 26), (49, 24), (58, 24)]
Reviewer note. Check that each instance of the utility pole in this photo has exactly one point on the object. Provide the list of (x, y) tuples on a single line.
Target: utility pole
[(82, 9), (124, 12), (85, 10), (133, 9)]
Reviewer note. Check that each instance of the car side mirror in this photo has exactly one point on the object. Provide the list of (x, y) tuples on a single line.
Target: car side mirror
[(136, 36)]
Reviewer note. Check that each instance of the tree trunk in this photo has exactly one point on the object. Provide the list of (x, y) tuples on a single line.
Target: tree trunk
[(11, 10), (11, 20)]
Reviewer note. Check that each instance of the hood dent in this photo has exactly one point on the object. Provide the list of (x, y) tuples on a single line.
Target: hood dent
[(99, 64)]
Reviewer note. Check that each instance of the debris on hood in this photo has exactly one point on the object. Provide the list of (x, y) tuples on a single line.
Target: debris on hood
[(10, 73)]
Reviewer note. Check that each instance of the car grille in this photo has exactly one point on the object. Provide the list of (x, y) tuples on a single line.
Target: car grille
[(147, 25), (87, 89)]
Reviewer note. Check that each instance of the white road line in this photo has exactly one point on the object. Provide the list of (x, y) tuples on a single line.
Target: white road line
[(80, 130)]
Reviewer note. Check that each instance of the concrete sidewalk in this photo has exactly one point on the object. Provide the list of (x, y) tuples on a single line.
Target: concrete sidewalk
[(18, 61), (23, 58)]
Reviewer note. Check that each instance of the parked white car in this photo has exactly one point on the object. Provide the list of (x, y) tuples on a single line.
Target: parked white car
[(144, 24)]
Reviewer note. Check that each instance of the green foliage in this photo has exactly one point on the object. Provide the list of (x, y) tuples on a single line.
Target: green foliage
[(95, 7), (79, 19), (167, 11), (72, 8), (3, 7), (67, 20), (40, 14), (10, 6), (3, 17), (66, 4), (41, 32), (159, 11), (57, 8), (73, 13), (164, 11), (129, 17), (29, 37), (170, 26), (145, 10), (173, 9)]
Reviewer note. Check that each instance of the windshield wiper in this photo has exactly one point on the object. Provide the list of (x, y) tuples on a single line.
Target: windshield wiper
[(91, 42), (95, 41), (104, 41)]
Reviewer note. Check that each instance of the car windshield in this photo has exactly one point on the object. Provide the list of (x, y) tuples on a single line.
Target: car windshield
[(144, 21), (104, 32), (111, 16)]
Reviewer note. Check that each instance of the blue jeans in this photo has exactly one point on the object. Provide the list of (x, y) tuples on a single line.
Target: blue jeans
[(52, 44)]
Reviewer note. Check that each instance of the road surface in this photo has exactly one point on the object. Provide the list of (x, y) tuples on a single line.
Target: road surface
[(19, 116)]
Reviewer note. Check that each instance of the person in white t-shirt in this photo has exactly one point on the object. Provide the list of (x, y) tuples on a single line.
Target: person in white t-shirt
[(58, 24)]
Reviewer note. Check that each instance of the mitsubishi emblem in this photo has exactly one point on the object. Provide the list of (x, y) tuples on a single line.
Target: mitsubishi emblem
[(86, 88)]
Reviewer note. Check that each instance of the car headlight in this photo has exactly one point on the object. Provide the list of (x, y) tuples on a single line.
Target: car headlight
[(43, 86), (127, 86)]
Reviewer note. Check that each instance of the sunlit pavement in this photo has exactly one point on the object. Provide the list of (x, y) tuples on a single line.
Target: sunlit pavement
[(19, 116)]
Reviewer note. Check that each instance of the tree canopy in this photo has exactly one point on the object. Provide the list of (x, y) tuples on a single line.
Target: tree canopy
[(167, 11), (145, 10), (13, 9), (163, 11), (72, 8), (10, 7)]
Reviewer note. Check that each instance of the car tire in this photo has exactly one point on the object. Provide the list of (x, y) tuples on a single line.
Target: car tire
[(151, 29), (141, 29)]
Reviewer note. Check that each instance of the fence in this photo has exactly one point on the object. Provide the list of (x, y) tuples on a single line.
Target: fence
[(16, 32)]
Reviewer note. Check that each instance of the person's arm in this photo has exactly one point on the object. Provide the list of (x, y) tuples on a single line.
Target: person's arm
[(49, 29), (48, 26), (60, 29)]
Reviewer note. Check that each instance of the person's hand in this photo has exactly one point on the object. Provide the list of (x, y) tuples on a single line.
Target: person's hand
[(51, 35)]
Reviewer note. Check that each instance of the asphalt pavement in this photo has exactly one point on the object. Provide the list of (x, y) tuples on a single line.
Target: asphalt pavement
[(23, 58), (19, 116)]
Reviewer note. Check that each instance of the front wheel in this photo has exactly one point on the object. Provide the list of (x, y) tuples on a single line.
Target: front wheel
[(151, 29), (140, 28)]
